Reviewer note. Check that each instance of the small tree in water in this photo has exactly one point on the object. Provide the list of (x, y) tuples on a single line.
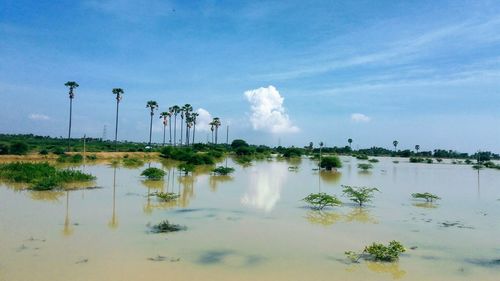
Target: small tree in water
[(429, 197), (330, 163), (359, 195), (321, 200)]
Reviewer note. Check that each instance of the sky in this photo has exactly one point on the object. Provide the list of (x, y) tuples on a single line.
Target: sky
[(275, 72)]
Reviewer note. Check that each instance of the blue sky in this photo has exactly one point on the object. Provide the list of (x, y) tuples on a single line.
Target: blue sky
[(421, 72)]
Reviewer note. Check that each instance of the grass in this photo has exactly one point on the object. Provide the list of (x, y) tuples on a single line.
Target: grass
[(41, 176)]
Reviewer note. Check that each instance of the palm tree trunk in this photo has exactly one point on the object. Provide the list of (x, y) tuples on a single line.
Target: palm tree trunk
[(212, 137), (187, 135), (216, 134), (194, 130), (164, 134), (182, 127), (116, 125), (170, 129), (175, 129), (70, 114), (151, 127)]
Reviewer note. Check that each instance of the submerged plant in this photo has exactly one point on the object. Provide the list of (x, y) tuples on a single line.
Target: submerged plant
[(373, 160), (330, 163), (222, 171), (132, 162), (166, 196), (186, 168), (321, 200), (429, 197), (359, 195), (378, 252), (365, 166), (165, 227), (153, 173)]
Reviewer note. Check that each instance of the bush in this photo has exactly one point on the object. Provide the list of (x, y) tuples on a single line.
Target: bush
[(429, 197), (153, 173), (373, 160), (166, 196), (222, 171), (321, 200), (416, 160), (292, 152), (238, 143), (65, 158), (244, 150), (4, 149), (92, 157), (58, 151), (186, 168), (132, 162), (18, 148), (362, 157), (330, 162), (43, 152), (389, 253), (365, 166), (359, 195), (165, 227)]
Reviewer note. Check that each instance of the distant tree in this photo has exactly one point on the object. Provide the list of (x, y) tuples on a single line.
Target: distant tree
[(175, 110), (164, 115), (152, 105), (194, 116), (72, 85), (217, 124), (395, 143), (238, 143), (118, 92), (330, 163), (350, 142), (187, 109), (19, 148), (417, 148)]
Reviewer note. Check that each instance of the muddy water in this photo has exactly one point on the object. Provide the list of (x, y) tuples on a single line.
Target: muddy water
[(253, 226)]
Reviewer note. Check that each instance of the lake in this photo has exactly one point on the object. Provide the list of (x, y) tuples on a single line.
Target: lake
[(252, 225)]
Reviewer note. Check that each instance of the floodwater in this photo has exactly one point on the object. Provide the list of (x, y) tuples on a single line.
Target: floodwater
[(253, 225)]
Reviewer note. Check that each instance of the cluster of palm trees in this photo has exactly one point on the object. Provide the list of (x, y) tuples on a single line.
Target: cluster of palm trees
[(188, 118)]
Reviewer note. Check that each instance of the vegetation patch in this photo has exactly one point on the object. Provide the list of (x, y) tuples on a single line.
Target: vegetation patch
[(186, 168), (378, 252), (41, 176), (318, 201), (331, 162), (165, 227), (132, 162), (153, 174), (222, 171), (362, 157), (359, 195), (373, 160), (66, 158), (166, 196), (429, 197), (365, 166)]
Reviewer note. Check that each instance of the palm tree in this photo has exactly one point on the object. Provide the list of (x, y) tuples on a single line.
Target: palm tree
[(212, 127), (118, 92), (417, 148), (395, 143), (186, 111), (175, 110), (350, 142), (193, 120), (164, 115), (182, 121), (217, 124), (71, 85), (189, 124), (152, 105)]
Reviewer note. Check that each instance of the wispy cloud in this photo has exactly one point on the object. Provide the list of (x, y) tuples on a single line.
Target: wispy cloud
[(268, 112), (132, 10), (360, 118), (38, 117)]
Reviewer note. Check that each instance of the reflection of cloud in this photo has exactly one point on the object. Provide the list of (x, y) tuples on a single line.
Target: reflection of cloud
[(265, 186)]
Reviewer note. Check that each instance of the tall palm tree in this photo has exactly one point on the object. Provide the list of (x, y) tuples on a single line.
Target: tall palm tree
[(350, 142), (395, 143), (152, 105), (118, 92), (193, 120), (212, 127), (175, 110), (217, 124), (170, 125), (417, 148), (189, 125), (189, 110), (71, 85), (182, 122), (164, 115), (185, 111)]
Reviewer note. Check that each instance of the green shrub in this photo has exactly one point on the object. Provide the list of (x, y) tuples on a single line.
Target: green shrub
[(92, 157), (321, 200), (132, 162), (19, 148), (58, 150), (44, 152), (222, 171), (65, 158), (362, 157), (330, 162), (153, 173), (244, 150), (4, 149), (416, 160), (165, 227), (238, 143), (365, 166), (389, 253), (373, 160), (186, 168), (359, 195), (166, 196), (429, 160), (429, 197)]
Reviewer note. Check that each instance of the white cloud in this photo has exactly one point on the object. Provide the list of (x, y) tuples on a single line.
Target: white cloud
[(360, 118), (38, 117), (202, 120), (268, 113)]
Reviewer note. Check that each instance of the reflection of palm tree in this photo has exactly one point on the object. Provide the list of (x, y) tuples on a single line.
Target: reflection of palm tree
[(325, 218), (68, 228), (187, 193), (215, 180), (113, 223)]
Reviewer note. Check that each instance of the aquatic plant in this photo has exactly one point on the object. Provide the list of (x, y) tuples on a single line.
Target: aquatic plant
[(165, 227), (186, 168), (153, 173), (359, 195), (362, 157), (40, 176), (477, 167), (378, 252), (365, 166), (166, 196), (132, 162), (330, 162), (65, 158), (321, 200), (222, 171), (373, 160), (429, 197)]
